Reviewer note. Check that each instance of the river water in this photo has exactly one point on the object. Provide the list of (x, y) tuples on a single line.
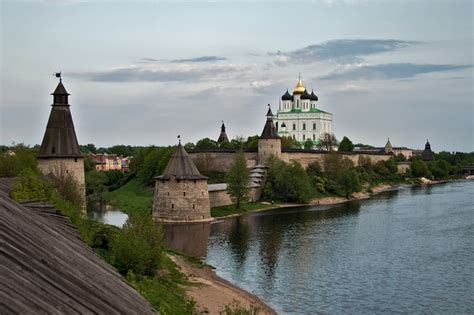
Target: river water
[(409, 250), (403, 251)]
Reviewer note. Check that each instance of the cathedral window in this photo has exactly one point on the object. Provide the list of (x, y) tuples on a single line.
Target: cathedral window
[(304, 137), (294, 126), (304, 126), (314, 137)]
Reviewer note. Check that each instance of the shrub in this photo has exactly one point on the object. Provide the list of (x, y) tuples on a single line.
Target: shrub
[(139, 247), (17, 159), (30, 186)]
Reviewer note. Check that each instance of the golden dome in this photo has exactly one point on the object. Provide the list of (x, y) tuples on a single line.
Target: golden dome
[(299, 88)]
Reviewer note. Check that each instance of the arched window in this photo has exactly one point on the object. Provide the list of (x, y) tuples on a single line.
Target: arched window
[(304, 126), (294, 126), (304, 137)]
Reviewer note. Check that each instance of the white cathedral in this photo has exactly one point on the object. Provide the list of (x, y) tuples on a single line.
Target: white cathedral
[(299, 117)]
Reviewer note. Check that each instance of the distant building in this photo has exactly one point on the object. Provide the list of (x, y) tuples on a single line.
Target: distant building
[(427, 154), (300, 118), (109, 162), (388, 149)]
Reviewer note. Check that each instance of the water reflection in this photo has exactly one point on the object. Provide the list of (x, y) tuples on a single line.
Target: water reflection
[(190, 239), (107, 214), (402, 251)]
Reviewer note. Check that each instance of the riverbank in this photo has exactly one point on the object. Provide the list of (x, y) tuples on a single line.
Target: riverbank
[(213, 294), (333, 200)]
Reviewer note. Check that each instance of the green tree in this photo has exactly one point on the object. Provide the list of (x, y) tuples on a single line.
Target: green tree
[(289, 143), (346, 145), (189, 146), (419, 168), (349, 182), (238, 179), (334, 164), (308, 144), (252, 142), (287, 182), (206, 143), (327, 142)]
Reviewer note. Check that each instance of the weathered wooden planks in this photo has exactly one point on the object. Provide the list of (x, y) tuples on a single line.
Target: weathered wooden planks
[(46, 268)]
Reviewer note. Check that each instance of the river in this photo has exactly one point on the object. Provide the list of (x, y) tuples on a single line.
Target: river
[(409, 250)]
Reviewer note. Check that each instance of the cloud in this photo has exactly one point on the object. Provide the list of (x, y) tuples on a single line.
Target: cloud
[(149, 60), (340, 50), (168, 73), (391, 71), (200, 59)]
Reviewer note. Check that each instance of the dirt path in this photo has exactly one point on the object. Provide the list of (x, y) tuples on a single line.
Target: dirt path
[(214, 293)]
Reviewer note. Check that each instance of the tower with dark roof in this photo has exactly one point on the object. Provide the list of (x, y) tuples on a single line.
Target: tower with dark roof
[(59, 152), (427, 154), (388, 146), (181, 193), (223, 136), (269, 142)]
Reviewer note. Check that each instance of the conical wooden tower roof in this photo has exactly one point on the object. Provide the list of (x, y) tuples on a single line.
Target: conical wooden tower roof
[(180, 166), (269, 131), (60, 139)]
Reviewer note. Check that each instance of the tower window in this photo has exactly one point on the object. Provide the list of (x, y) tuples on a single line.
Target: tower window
[(304, 126), (294, 126), (53, 150), (314, 126), (184, 194), (304, 137), (193, 206), (172, 206), (314, 136)]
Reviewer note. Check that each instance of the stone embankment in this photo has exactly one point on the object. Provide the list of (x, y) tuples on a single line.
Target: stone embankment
[(355, 196)]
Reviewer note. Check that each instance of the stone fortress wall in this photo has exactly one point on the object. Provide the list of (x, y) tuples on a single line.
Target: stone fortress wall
[(181, 200), (213, 160)]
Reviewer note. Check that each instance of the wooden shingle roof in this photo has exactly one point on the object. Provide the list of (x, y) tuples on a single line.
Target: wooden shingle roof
[(180, 166), (46, 268)]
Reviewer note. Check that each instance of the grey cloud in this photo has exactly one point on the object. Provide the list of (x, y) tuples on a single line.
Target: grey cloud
[(150, 59), (200, 59), (167, 73), (340, 50), (391, 71)]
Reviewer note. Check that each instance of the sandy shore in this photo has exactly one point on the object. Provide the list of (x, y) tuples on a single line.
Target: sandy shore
[(213, 293)]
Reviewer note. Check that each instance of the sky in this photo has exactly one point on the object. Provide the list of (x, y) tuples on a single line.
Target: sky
[(143, 72)]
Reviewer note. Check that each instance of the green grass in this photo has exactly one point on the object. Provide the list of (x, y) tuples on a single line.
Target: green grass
[(131, 198), (165, 291), (244, 208)]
